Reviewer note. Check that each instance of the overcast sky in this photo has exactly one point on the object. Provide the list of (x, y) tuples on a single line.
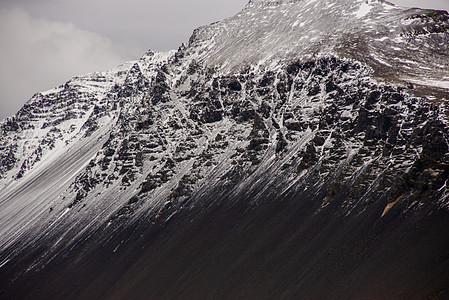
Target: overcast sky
[(44, 43)]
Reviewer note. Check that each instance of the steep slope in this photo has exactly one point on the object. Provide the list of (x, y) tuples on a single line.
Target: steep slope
[(50, 141), (297, 149)]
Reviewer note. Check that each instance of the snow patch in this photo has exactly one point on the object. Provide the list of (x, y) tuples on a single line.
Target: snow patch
[(53, 91), (382, 39), (364, 9), (63, 214), (4, 263), (430, 82)]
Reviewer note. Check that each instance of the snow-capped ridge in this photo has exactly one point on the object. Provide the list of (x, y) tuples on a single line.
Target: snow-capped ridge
[(375, 32)]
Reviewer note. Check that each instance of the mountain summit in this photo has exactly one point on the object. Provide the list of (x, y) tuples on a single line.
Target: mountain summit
[(296, 150), (374, 32)]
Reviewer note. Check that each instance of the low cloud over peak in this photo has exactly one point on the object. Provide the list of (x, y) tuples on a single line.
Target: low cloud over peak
[(37, 54)]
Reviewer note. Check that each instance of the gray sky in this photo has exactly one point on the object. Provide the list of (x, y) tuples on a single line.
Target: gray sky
[(44, 43)]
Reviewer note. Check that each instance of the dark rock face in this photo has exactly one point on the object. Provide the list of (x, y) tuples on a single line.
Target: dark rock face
[(291, 242), (279, 249), (171, 177)]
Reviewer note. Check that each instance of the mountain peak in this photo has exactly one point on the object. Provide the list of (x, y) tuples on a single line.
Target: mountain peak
[(317, 2), (375, 32)]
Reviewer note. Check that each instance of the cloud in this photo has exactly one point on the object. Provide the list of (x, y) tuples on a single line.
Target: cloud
[(134, 26), (38, 54)]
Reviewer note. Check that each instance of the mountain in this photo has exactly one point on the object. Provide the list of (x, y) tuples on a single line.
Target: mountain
[(296, 150)]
